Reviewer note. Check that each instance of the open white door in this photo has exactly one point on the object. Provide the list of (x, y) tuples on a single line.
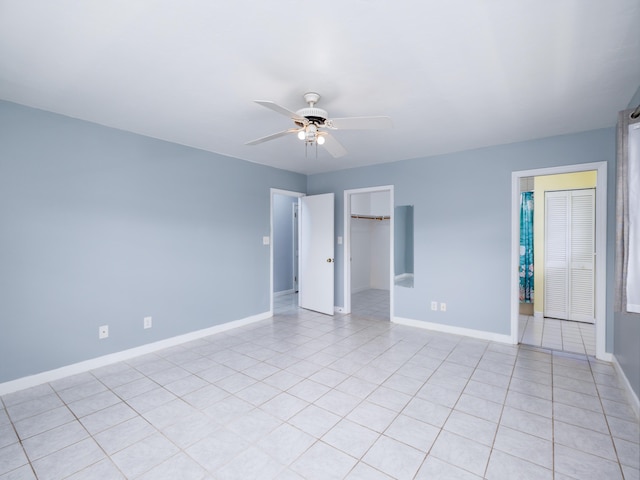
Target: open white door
[(316, 258)]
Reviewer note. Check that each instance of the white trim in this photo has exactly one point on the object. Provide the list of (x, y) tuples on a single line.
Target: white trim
[(272, 192), (85, 366), (538, 315), (294, 242), (608, 357), (601, 245), (346, 246), (467, 332), (634, 401), (403, 278), (284, 292), (338, 309)]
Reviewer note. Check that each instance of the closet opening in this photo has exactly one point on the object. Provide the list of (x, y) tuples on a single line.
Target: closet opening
[(368, 252)]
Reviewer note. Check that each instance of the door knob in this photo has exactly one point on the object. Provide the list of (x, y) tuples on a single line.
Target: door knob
[(329, 260)]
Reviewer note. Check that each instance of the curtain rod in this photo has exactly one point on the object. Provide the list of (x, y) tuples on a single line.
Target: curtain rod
[(635, 113), (370, 217)]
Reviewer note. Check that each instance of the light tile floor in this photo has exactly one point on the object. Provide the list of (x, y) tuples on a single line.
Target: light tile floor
[(576, 337), (307, 396), (372, 304)]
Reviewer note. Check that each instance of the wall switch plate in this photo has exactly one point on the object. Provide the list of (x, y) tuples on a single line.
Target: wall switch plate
[(443, 307), (148, 322), (434, 306), (339, 240), (103, 331), (265, 240)]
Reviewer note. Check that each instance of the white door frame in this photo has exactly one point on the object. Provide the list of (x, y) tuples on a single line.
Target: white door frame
[(601, 247), (296, 247), (347, 244), (288, 193)]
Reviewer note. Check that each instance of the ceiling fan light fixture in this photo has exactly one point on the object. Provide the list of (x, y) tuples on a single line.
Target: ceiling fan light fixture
[(311, 133), (310, 124)]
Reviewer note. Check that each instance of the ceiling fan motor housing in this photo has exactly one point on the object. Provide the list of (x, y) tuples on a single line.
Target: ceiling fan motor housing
[(315, 115)]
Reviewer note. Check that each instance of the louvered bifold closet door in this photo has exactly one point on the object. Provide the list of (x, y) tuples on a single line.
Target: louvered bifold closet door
[(556, 264), (569, 255), (581, 240)]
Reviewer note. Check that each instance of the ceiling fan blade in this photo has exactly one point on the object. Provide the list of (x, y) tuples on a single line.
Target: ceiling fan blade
[(281, 110), (360, 123), (271, 137), (333, 146)]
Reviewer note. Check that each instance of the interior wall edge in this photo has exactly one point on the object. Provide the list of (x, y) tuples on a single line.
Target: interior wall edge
[(443, 328), (632, 396)]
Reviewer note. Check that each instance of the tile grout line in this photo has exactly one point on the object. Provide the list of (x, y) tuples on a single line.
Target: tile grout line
[(15, 431), (606, 419), (344, 332)]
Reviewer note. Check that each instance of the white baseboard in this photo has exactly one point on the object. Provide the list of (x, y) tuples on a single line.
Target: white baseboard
[(538, 314), (284, 292), (84, 366), (631, 395), (606, 357), (467, 332), (338, 309)]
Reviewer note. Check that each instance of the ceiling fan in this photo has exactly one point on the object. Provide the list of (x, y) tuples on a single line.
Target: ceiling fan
[(312, 125)]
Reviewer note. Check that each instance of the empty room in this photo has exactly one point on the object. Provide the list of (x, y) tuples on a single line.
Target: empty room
[(337, 240)]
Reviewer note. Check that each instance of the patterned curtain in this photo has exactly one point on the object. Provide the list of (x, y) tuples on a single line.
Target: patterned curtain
[(526, 247)]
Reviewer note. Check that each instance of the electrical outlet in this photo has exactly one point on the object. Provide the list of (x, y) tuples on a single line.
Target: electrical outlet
[(103, 331), (434, 306), (443, 307), (148, 322)]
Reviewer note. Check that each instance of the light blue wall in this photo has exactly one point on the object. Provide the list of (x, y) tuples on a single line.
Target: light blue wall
[(100, 226), (627, 327), (462, 219), (283, 242)]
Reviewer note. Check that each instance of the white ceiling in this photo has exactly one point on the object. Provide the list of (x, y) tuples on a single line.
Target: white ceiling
[(453, 75)]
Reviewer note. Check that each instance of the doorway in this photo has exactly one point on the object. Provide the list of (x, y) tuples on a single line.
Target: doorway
[(529, 327), (368, 252), (284, 250)]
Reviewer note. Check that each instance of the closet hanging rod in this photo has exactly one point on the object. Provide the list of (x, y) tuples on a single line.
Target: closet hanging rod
[(371, 217)]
